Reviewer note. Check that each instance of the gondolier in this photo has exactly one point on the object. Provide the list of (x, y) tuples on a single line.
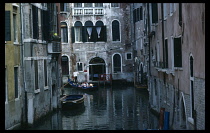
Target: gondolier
[(75, 76)]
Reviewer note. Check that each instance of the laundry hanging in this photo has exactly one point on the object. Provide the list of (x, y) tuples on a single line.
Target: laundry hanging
[(98, 31), (89, 30)]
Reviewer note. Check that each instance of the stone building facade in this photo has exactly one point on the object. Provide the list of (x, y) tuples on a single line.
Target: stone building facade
[(98, 37), (42, 49), (13, 67), (139, 33), (177, 62), (35, 55)]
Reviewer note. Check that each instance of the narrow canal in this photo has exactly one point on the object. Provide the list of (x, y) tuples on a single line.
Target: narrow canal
[(108, 108)]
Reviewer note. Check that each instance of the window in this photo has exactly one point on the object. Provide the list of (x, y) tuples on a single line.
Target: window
[(65, 65), (78, 31), (172, 52), (115, 31), (77, 4), (79, 66), (128, 56), (98, 4), (165, 10), (191, 85), (166, 53), (101, 31), (117, 63), (191, 66), (141, 13), (64, 32), (134, 16), (180, 14), (15, 27), (89, 32), (154, 13), (114, 4), (7, 26), (138, 14), (36, 74), (16, 81), (46, 24), (88, 4), (45, 72), (177, 52), (63, 7), (5, 85), (35, 21)]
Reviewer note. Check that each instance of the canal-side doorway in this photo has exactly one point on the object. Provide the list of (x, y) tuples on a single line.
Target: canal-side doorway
[(96, 67)]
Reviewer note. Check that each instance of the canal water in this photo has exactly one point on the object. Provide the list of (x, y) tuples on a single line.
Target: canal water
[(108, 108)]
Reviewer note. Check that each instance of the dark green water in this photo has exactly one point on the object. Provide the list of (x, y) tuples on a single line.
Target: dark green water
[(108, 108)]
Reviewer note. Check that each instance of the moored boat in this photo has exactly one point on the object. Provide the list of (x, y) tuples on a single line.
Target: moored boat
[(71, 101)]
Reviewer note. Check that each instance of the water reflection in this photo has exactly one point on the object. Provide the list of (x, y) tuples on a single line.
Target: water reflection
[(116, 108)]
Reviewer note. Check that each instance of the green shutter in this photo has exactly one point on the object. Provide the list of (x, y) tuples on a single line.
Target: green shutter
[(154, 13), (7, 26), (72, 35), (84, 34), (94, 34), (177, 52), (104, 33)]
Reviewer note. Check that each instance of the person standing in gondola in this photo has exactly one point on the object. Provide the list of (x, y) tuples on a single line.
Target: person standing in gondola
[(75, 76)]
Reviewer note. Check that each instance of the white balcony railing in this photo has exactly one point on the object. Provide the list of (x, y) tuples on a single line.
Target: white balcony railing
[(88, 11)]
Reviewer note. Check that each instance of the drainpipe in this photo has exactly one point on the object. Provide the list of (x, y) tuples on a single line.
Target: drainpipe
[(148, 16), (22, 63), (162, 16)]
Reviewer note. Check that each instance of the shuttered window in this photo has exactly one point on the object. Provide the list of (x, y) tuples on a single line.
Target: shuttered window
[(166, 53), (45, 72), (35, 22), (134, 15), (177, 52), (117, 63), (64, 32), (79, 66), (191, 66), (46, 24), (36, 74), (138, 14), (154, 13), (141, 13), (7, 26), (88, 4), (77, 4), (88, 33), (114, 4), (100, 31), (98, 4), (16, 81), (180, 14), (115, 31), (65, 65), (64, 7)]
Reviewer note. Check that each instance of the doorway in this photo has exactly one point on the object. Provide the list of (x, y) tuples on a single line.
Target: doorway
[(96, 67)]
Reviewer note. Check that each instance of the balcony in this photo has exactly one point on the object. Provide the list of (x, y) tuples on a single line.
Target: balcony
[(54, 47), (87, 11)]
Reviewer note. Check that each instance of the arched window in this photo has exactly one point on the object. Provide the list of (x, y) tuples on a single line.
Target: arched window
[(115, 31), (191, 86), (65, 65), (64, 32), (101, 31), (78, 31), (89, 31), (117, 63)]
